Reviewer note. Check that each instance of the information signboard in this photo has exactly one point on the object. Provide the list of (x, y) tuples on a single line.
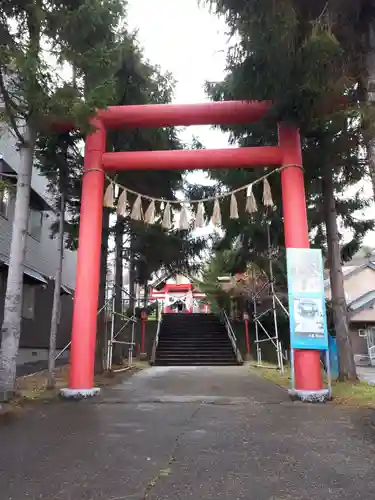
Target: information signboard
[(307, 309)]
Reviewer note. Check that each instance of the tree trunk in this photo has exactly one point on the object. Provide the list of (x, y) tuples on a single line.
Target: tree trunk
[(56, 297), (119, 237), (347, 368), (132, 288), (371, 163), (371, 100), (11, 327), (101, 337), (145, 295)]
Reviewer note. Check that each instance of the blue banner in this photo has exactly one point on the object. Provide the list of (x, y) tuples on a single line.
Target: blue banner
[(333, 357), (307, 307)]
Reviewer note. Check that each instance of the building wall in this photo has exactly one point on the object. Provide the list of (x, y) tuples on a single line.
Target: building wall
[(9, 153), (35, 332), (26, 356), (357, 284), (42, 255), (365, 316), (359, 343)]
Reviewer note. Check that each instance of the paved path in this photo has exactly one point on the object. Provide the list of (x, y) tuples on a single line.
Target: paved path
[(181, 434)]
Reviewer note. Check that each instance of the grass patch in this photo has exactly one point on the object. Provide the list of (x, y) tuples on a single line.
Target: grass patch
[(140, 365), (359, 394), (33, 388), (270, 372)]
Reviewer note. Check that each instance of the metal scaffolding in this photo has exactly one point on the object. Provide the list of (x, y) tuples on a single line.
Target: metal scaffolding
[(111, 334), (267, 291), (60, 353)]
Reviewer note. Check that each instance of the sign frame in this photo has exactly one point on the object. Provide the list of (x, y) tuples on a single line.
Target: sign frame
[(307, 304)]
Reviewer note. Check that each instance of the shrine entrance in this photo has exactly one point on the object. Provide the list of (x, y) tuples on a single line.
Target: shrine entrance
[(176, 293), (286, 155), (178, 307)]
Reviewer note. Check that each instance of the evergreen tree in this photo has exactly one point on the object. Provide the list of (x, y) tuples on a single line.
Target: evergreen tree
[(33, 94), (135, 82), (289, 52)]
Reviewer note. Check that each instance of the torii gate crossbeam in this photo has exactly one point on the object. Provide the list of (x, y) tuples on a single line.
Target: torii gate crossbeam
[(97, 161)]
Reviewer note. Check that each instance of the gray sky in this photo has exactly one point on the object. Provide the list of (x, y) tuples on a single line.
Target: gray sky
[(188, 41)]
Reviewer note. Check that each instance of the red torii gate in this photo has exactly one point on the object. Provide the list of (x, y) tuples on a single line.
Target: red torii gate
[(97, 161)]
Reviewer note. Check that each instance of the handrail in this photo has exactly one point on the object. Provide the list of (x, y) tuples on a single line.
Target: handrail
[(156, 341), (232, 336)]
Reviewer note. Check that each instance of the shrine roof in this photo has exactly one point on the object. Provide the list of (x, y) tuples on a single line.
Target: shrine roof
[(159, 283)]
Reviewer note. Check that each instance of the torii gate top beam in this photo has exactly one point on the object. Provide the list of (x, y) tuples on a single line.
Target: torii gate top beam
[(169, 115)]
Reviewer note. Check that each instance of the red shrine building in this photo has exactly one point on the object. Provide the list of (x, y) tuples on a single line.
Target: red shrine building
[(176, 293)]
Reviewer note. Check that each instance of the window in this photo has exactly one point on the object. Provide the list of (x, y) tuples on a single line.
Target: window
[(35, 223), (28, 306), (4, 202)]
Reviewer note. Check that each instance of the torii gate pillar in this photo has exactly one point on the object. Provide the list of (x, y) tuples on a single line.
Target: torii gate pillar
[(86, 296), (306, 362)]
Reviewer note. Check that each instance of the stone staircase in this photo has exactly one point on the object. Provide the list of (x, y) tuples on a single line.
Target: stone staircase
[(194, 339)]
